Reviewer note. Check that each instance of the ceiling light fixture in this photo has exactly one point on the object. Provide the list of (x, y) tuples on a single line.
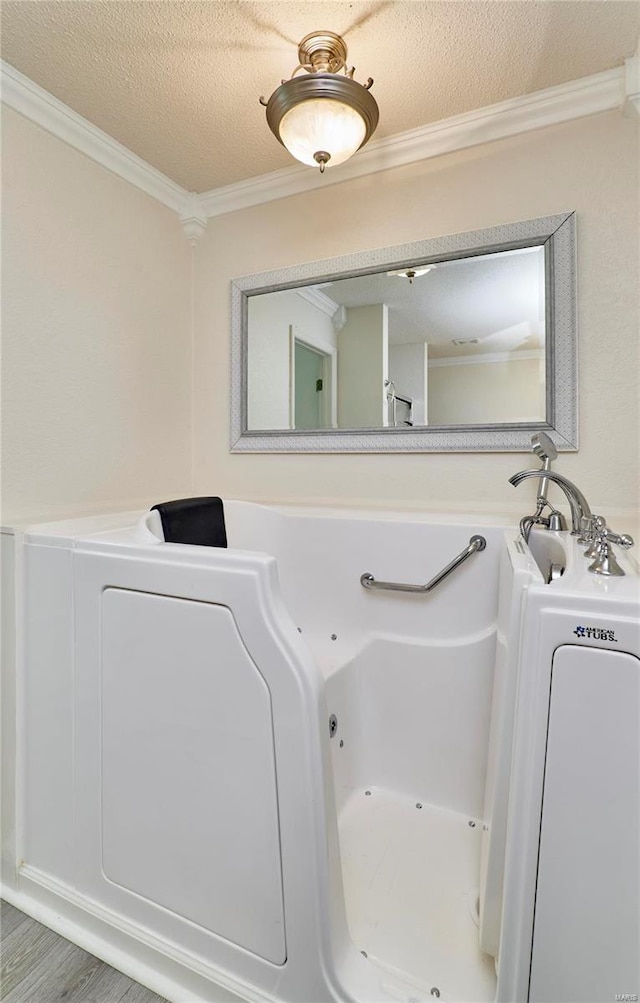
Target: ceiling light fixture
[(325, 116)]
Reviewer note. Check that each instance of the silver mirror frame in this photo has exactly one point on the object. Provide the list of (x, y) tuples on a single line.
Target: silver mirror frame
[(557, 233)]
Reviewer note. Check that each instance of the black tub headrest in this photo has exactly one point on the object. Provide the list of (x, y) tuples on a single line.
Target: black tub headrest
[(193, 520)]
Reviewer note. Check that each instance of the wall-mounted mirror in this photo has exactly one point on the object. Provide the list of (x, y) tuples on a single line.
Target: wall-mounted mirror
[(463, 342)]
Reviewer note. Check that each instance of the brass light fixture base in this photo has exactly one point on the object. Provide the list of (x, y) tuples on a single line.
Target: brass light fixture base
[(322, 52)]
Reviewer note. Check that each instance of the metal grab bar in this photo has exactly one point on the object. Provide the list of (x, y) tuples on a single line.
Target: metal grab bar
[(475, 543)]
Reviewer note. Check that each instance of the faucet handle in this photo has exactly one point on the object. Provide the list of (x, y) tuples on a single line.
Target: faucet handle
[(605, 562), (591, 526), (600, 536), (622, 539)]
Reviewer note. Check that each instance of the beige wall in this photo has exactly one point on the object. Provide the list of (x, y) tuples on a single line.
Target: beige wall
[(477, 392), (589, 165), (96, 325), (96, 335)]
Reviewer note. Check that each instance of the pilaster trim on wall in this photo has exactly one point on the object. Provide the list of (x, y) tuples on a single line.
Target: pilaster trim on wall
[(42, 108), (576, 99), (192, 217)]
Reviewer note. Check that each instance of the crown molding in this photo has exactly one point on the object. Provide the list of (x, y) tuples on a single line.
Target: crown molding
[(319, 299), (576, 99), (42, 108), (588, 96), (488, 358)]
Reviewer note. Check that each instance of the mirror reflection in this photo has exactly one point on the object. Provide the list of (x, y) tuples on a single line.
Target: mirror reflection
[(452, 342)]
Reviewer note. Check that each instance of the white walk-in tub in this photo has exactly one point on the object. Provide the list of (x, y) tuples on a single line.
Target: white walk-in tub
[(243, 775)]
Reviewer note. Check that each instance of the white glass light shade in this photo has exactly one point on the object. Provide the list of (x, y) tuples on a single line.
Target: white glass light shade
[(322, 125)]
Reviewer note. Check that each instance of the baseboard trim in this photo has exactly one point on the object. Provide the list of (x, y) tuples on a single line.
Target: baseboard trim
[(175, 974)]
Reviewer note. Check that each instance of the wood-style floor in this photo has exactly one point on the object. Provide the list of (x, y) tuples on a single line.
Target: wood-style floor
[(38, 966)]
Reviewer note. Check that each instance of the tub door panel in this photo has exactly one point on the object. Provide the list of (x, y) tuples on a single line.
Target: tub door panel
[(587, 929), (189, 815)]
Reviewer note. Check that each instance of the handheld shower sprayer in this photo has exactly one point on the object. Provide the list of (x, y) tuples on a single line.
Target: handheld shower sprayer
[(546, 451)]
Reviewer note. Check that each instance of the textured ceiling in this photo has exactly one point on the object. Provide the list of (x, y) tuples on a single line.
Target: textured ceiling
[(178, 82), (495, 298)]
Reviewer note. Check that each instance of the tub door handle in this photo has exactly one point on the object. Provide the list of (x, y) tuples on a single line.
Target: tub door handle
[(475, 543)]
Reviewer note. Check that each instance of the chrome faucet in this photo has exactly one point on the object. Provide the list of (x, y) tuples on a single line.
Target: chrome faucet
[(581, 515), (589, 528), (545, 449), (600, 552)]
